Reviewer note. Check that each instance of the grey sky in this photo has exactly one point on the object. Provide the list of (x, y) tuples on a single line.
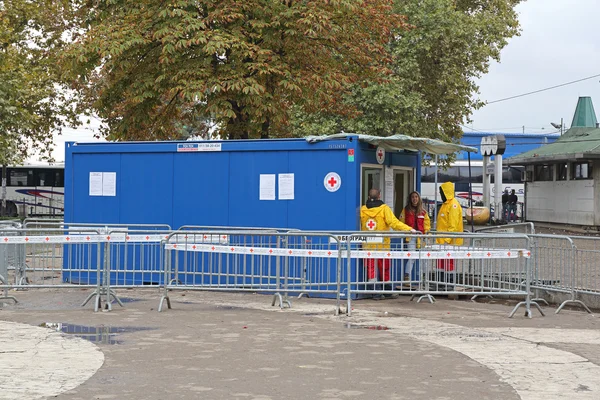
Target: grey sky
[(559, 43)]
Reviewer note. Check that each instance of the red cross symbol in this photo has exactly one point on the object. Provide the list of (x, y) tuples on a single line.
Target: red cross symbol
[(309, 252), (408, 254), (127, 237), (213, 248), (67, 239), (290, 252), (328, 253), (194, 247), (380, 153), (108, 238), (232, 249), (251, 250), (468, 254), (87, 238), (448, 254), (185, 237), (489, 254), (369, 254), (167, 237), (371, 224), (174, 246), (270, 251), (224, 237), (147, 237), (6, 239), (47, 238), (389, 255), (528, 253), (428, 254), (332, 181), (205, 237), (508, 253), (27, 239)]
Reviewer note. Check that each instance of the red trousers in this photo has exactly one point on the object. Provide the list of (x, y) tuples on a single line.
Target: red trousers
[(382, 265), (446, 265)]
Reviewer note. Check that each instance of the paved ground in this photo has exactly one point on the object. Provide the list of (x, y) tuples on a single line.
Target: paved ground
[(236, 346)]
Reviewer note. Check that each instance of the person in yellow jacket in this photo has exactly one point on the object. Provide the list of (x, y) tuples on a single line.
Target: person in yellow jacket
[(377, 216), (450, 219)]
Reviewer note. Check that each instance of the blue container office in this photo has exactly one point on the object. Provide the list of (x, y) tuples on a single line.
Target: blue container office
[(234, 183)]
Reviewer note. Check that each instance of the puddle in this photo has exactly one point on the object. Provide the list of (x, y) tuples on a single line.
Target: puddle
[(95, 334), (128, 299), (370, 327)]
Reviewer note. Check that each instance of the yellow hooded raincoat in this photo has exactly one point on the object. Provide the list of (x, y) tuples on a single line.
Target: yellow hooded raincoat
[(380, 218), (450, 218)]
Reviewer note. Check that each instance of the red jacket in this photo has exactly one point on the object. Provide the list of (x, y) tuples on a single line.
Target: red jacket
[(422, 224)]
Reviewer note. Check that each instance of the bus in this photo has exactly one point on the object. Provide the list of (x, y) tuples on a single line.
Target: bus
[(35, 190), (458, 173)]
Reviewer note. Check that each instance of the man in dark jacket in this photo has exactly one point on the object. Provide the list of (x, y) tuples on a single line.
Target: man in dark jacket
[(505, 213), (512, 206)]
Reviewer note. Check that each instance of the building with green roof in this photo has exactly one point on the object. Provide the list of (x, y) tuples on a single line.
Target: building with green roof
[(561, 183)]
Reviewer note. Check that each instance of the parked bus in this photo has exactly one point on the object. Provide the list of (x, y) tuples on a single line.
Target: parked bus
[(35, 190), (458, 173)]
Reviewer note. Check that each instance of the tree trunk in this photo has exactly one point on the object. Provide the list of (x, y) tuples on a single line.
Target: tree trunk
[(3, 193)]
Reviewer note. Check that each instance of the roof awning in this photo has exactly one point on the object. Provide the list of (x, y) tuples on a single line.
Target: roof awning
[(401, 142)]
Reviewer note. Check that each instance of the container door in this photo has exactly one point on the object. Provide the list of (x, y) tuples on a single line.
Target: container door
[(403, 185)]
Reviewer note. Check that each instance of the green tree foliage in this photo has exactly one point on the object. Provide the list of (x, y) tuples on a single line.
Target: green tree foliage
[(149, 67), (32, 104), (432, 90)]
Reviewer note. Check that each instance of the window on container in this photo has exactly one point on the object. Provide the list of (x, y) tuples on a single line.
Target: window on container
[(509, 175), (561, 172), (544, 172), (581, 170)]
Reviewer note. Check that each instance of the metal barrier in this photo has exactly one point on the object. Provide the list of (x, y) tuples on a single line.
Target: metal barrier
[(255, 261), (526, 228), (53, 259), (555, 267), (475, 267)]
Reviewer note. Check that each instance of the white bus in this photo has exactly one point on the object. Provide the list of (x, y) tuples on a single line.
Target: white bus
[(458, 173), (35, 190)]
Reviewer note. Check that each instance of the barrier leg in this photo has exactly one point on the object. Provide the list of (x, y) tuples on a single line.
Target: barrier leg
[(527, 309), (581, 303)]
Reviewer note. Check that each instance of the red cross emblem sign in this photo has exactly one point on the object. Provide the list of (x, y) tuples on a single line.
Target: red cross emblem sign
[(380, 155), (332, 182), (371, 224)]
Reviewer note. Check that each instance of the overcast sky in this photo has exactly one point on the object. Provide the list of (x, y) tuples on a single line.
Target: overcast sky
[(559, 43)]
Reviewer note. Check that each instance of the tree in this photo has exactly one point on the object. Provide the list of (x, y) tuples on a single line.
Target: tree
[(432, 90), (148, 67), (32, 104)]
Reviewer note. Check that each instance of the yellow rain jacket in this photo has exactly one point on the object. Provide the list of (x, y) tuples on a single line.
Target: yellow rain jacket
[(450, 218), (378, 219)]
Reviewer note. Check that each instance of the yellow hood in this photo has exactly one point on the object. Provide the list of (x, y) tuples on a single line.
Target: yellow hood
[(448, 189), (371, 212)]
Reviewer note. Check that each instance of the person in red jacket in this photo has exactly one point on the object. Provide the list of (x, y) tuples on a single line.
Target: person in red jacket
[(415, 216)]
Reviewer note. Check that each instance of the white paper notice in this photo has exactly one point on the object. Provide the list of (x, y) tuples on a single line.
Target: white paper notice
[(109, 184), (286, 186), (388, 191), (267, 187), (95, 183)]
